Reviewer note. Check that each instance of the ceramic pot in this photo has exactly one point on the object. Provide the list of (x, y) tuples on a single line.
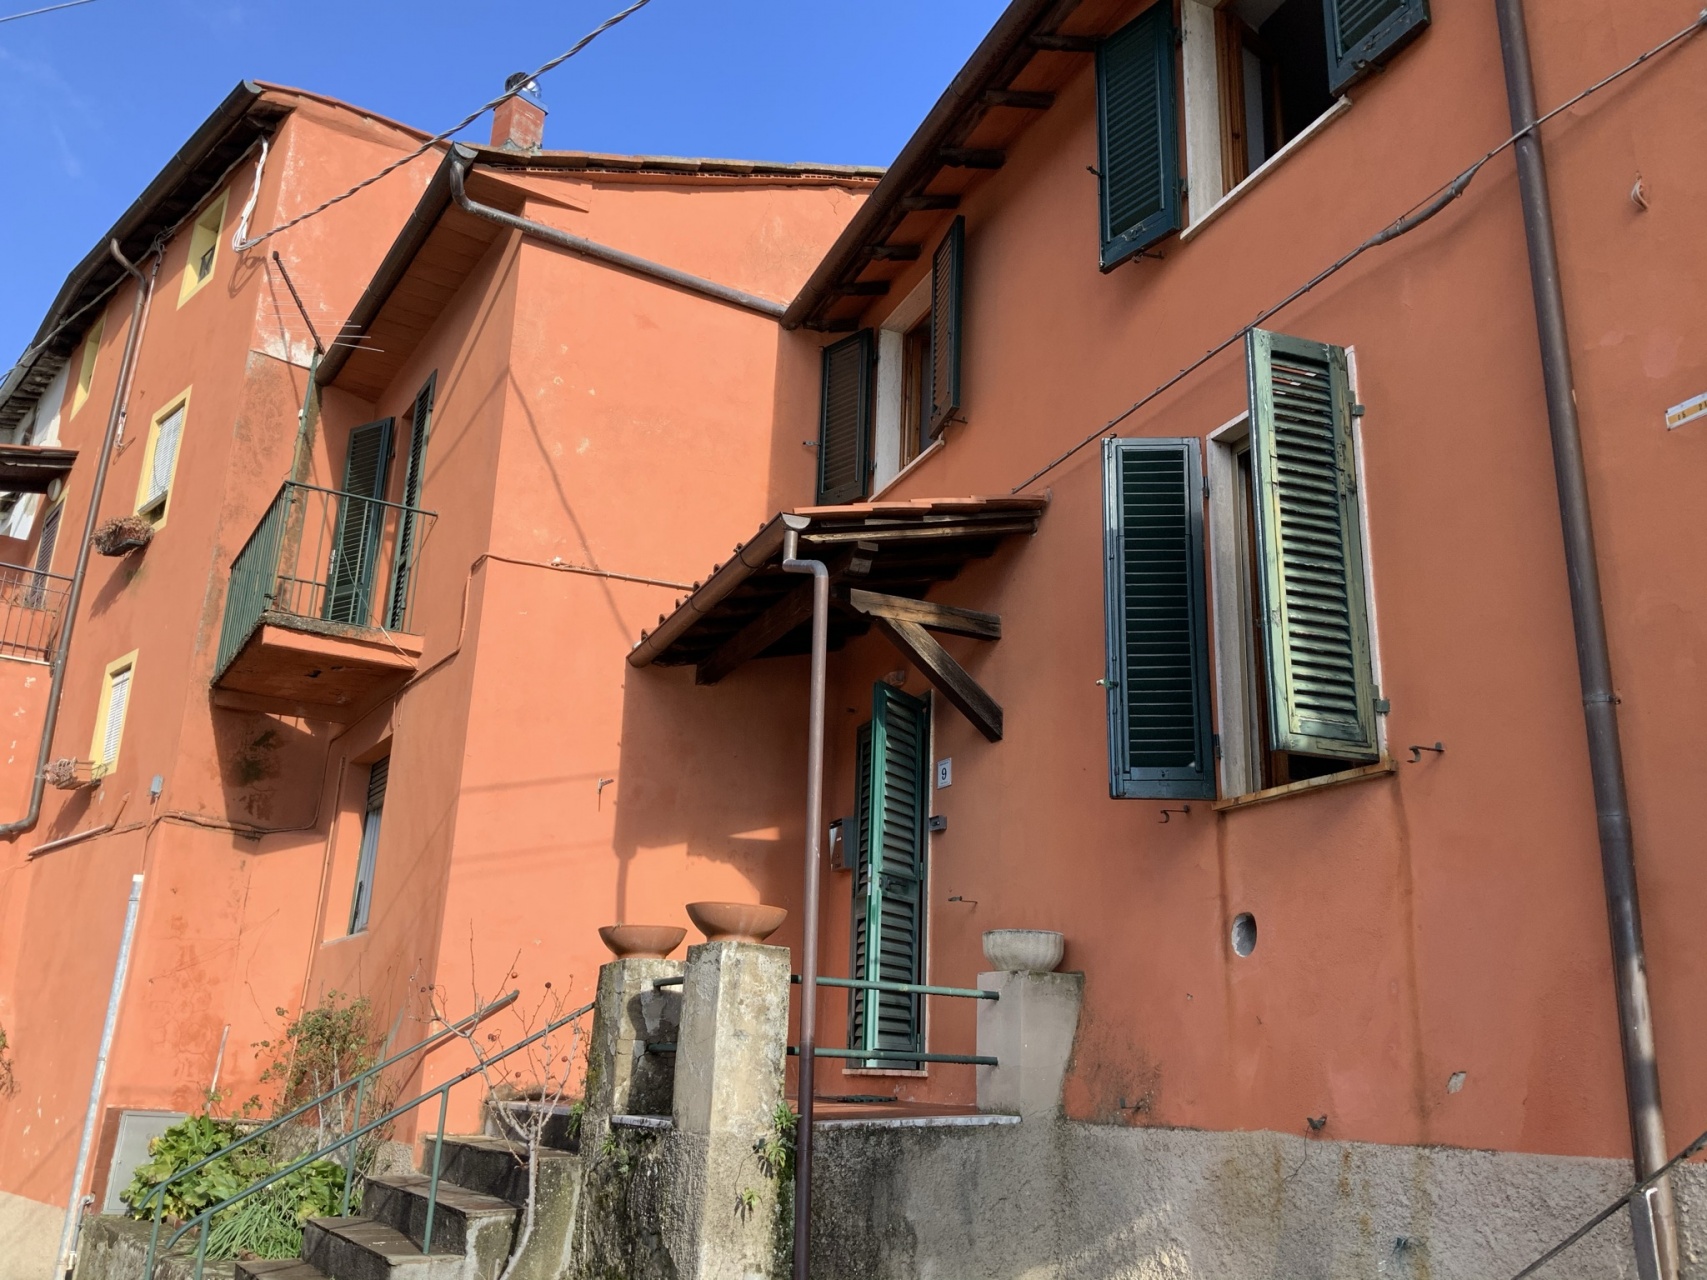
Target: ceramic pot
[(1024, 950), (642, 941), (736, 921)]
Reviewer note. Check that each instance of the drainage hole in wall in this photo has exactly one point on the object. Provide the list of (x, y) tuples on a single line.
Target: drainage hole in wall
[(1244, 933)]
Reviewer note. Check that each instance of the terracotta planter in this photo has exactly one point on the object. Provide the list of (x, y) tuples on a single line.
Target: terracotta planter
[(642, 941), (1024, 950), (736, 921)]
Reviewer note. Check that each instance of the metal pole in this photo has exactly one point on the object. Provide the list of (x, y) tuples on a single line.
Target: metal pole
[(113, 997), (820, 572), (1594, 664)]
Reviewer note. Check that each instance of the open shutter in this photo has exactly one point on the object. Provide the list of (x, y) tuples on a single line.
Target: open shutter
[(1321, 697), (1158, 646), (858, 934), (358, 525), (361, 903), (1138, 136), (1362, 34), (420, 425), (948, 271), (844, 425)]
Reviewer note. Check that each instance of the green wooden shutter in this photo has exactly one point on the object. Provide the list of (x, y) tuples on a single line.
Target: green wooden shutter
[(1138, 135), (948, 273), (1158, 646), (844, 425), (1362, 34), (420, 425), (858, 936), (1321, 697), (892, 827), (358, 525)]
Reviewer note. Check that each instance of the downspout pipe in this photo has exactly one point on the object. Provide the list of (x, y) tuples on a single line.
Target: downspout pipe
[(792, 563), (115, 417), (614, 257), (1594, 663)]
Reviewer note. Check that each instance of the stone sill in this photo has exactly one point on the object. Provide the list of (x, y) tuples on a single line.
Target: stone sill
[(642, 1122), (1380, 769), (1214, 211), (917, 1122)]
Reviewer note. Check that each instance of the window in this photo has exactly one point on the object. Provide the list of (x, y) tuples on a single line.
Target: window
[(110, 714), (844, 420), (1294, 662), (362, 901), (420, 426), (36, 597), (204, 250), (86, 366), (359, 526), (160, 460)]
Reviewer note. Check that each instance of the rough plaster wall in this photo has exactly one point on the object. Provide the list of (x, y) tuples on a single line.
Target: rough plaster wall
[(1089, 1202)]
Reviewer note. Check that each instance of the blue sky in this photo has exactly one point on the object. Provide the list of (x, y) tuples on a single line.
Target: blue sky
[(94, 100)]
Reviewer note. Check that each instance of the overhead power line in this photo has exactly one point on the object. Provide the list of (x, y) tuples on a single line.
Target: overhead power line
[(52, 8), (1413, 218), (250, 242)]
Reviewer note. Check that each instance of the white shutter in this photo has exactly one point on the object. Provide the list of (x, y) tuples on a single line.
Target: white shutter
[(117, 700), (165, 455)]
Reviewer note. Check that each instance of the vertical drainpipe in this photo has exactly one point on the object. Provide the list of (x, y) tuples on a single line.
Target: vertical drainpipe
[(1652, 1219), (792, 563), (56, 685)]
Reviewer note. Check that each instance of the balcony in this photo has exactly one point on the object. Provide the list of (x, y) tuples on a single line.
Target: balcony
[(319, 609), (32, 604)]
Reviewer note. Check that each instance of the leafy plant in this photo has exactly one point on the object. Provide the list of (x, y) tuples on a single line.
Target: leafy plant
[(776, 1149), (319, 1050)]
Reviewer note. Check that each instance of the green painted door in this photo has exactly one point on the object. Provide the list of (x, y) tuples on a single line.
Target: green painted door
[(358, 526)]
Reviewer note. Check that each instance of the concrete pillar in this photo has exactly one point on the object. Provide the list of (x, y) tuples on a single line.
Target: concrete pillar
[(731, 1049), (1029, 1031), (622, 1078)]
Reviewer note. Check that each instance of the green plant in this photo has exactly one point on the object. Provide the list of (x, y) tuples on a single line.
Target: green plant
[(8, 1082), (746, 1201), (776, 1149), (320, 1049)]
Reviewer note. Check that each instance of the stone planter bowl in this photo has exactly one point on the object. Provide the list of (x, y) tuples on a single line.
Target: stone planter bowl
[(736, 921), (642, 941), (1024, 950)]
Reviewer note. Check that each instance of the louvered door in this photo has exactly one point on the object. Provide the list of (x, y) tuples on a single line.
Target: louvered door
[(1138, 135), (357, 526), (1362, 34), (1158, 660), (889, 915), (1310, 549), (844, 425), (420, 424)]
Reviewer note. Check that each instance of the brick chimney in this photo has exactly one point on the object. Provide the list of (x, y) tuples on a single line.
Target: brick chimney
[(518, 123)]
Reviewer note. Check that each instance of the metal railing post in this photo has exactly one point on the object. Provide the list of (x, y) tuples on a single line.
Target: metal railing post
[(350, 1152), (433, 1185)]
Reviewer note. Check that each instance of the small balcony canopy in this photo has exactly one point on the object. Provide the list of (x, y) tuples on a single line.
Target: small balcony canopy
[(31, 468)]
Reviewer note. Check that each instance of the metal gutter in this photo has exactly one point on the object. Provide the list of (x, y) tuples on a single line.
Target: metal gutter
[(749, 557), (919, 158), (1653, 1222), (613, 257)]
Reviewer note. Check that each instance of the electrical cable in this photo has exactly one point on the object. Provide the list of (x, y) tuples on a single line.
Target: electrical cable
[(52, 8), (438, 138), (1418, 214)]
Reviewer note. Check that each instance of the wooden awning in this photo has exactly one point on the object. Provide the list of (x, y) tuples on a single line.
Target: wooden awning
[(883, 557), (30, 468)]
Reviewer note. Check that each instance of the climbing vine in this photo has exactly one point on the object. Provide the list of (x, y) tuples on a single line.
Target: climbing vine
[(8, 1081)]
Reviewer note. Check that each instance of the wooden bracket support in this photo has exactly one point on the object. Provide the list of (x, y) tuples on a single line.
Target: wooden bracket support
[(951, 679)]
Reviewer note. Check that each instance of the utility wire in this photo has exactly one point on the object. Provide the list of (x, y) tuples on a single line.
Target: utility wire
[(1418, 214), (438, 138), (52, 8)]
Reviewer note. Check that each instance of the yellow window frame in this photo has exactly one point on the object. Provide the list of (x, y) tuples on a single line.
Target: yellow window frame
[(102, 764), (86, 366), (205, 236), (155, 507)]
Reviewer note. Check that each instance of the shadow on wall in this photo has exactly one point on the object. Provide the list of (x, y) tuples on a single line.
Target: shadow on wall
[(272, 771)]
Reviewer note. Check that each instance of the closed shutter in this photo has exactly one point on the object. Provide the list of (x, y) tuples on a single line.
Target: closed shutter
[(379, 774), (118, 700), (892, 827), (165, 458), (1362, 34), (948, 273), (844, 425), (1138, 136), (420, 425), (1158, 646), (858, 937), (1321, 697), (44, 555), (358, 525)]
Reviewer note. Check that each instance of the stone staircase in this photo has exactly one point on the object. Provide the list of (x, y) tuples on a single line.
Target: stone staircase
[(482, 1193)]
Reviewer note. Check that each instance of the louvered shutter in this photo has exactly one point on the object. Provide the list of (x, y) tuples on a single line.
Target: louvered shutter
[(893, 828), (118, 699), (844, 425), (44, 555), (358, 525), (379, 773), (1158, 646), (948, 273), (420, 425), (1321, 697), (167, 437), (1138, 136), (858, 939), (1362, 34)]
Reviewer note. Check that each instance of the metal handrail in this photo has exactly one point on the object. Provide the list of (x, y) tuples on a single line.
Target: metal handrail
[(33, 572), (358, 1082)]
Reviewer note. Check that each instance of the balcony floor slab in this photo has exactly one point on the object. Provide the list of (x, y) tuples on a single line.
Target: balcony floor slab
[(314, 669)]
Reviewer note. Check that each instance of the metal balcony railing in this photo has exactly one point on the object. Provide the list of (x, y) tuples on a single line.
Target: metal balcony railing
[(328, 557), (32, 606)]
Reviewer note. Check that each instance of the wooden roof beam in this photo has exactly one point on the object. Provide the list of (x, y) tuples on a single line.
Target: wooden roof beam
[(893, 252), (1026, 99), (935, 617), (951, 679), (973, 157)]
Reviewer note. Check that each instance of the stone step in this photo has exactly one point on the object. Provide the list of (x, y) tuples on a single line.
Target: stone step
[(279, 1269), (362, 1249), (492, 1166), (479, 1226)]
